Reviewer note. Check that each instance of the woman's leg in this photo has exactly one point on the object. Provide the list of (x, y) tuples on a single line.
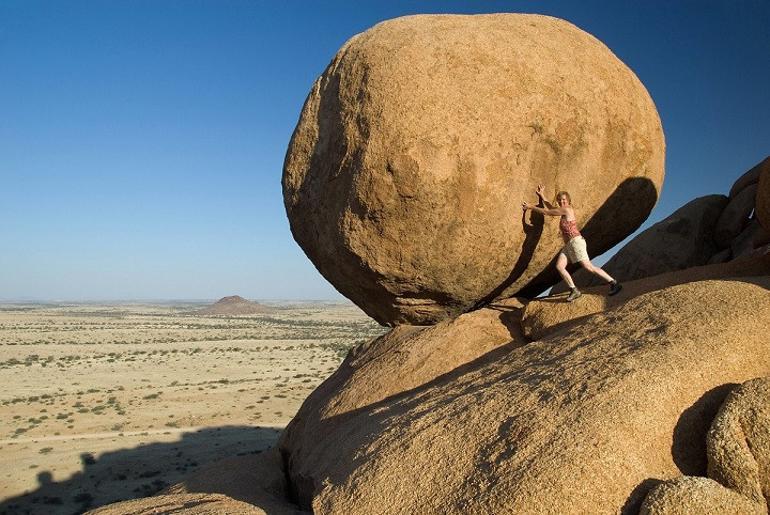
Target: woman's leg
[(561, 266), (596, 270)]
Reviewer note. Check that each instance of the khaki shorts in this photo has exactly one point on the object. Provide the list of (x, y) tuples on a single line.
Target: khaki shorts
[(575, 250)]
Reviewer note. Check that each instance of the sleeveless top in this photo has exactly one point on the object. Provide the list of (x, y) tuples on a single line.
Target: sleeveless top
[(568, 229)]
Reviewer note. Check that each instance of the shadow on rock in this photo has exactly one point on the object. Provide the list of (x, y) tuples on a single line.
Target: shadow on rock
[(137, 472), (634, 501), (688, 447), (533, 232)]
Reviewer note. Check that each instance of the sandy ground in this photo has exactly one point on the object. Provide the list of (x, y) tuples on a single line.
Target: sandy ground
[(104, 403)]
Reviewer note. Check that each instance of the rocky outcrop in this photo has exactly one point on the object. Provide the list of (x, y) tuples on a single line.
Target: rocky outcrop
[(750, 177), (580, 421), (735, 216), (683, 240), (234, 305), (415, 148), (738, 450)]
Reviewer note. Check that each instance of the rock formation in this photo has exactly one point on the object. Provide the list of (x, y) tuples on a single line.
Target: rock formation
[(683, 240), (402, 183), (415, 148), (405, 358), (579, 421), (738, 450), (234, 305)]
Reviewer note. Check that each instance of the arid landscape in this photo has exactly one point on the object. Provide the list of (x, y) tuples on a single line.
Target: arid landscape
[(108, 402)]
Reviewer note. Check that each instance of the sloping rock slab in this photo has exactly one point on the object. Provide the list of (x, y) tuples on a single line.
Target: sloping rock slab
[(544, 316), (579, 422), (405, 358), (182, 504)]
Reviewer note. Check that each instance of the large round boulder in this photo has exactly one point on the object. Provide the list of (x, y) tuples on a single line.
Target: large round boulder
[(405, 174)]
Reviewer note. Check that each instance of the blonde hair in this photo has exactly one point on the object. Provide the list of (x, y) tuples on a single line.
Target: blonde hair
[(565, 194)]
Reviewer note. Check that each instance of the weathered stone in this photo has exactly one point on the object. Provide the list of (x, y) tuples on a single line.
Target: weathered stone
[(575, 423), (750, 177), (404, 177), (698, 496), (763, 195), (682, 240), (738, 443), (735, 216)]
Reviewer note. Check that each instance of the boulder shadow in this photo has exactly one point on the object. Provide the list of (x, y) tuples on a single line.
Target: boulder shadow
[(688, 445), (137, 472), (638, 494), (532, 234)]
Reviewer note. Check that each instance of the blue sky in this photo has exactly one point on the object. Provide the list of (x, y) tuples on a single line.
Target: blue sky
[(142, 142)]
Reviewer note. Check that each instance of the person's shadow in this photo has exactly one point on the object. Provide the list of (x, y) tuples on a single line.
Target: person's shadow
[(136, 472)]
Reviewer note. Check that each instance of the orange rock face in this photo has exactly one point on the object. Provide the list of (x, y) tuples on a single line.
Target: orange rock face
[(404, 177)]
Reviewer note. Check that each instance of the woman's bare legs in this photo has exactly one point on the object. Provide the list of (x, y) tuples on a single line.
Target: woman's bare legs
[(596, 270), (561, 266)]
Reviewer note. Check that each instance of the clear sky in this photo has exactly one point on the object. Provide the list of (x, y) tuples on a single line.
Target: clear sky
[(142, 142)]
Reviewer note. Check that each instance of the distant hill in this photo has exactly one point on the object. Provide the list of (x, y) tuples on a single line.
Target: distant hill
[(234, 305)]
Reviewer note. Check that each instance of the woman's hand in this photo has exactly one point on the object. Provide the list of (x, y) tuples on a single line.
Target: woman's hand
[(540, 190), (525, 206)]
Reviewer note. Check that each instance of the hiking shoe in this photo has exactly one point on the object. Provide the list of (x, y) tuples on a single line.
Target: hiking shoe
[(574, 294), (615, 288)]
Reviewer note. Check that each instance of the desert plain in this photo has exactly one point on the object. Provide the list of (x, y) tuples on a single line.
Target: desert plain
[(102, 403)]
